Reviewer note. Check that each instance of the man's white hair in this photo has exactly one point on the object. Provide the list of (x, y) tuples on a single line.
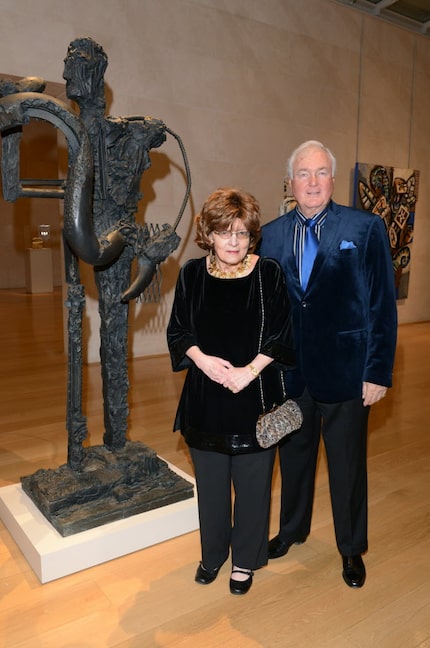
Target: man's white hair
[(303, 147)]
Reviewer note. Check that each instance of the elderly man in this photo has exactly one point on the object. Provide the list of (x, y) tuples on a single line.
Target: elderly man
[(341, 284)]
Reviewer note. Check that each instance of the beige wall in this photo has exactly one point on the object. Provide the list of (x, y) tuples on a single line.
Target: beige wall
[(242, 83)]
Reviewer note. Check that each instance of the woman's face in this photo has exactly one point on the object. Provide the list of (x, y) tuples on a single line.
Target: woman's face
[(230, 246)]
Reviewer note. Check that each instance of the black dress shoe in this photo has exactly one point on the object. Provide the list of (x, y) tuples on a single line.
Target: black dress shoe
[(278, 547), (205, 576), (354, 571), (241, 587)]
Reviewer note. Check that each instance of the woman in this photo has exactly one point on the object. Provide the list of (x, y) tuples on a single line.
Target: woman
[(230, 326)]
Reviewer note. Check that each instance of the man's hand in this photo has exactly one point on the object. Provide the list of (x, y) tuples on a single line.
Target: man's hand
[(372, 393)]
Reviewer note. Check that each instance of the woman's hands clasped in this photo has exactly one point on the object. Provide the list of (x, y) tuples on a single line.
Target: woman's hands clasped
[(213, 367), (224, 373), (237, 378)]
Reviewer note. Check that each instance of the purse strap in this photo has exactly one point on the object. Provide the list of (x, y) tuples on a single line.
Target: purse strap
[(263, 319)]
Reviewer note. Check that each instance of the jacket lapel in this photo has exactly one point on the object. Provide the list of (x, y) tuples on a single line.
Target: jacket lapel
[(288, 246)]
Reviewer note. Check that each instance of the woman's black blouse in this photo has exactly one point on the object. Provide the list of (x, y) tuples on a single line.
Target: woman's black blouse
[(223, 317)]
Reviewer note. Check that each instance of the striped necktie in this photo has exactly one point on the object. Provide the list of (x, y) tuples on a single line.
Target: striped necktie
[(309, 251)]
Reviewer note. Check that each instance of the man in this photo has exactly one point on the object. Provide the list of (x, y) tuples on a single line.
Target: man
[(345, 323)]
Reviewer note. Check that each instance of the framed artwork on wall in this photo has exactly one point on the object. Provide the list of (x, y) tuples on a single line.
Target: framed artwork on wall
[(392, 193)]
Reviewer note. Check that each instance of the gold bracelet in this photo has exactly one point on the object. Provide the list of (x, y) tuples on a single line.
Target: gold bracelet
[(253, 370)]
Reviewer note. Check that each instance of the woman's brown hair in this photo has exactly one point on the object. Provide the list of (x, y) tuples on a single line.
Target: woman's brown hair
[(221, 209)]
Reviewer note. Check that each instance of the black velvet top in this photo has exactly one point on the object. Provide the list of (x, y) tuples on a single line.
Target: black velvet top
[(223, 317)]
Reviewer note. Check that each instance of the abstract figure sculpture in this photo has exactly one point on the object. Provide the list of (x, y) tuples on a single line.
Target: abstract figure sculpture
[(120, 151), (107, 157)]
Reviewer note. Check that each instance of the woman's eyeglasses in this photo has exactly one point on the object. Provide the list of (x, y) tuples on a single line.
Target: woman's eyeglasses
[(241, 235)]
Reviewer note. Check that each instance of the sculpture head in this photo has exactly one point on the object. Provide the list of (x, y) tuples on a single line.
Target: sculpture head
[(84, 68)]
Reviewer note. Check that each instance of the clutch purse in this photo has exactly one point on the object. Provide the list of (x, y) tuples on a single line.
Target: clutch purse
[(276, 424)]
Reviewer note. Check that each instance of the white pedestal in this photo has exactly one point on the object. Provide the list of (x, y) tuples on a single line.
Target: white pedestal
[(38, 270), (51, 556)]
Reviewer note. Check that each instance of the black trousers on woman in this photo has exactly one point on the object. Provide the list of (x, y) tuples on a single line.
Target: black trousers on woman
[(242, 521)]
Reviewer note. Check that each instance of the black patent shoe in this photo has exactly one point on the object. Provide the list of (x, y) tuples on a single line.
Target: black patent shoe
[(354, 571), (278, 547), (205, 576), (241, 587)]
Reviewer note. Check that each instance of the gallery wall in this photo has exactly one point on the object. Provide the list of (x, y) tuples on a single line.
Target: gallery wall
[(242, 83)]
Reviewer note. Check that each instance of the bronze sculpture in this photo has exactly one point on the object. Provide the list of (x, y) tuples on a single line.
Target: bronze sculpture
[(120, 150), (107, 157)]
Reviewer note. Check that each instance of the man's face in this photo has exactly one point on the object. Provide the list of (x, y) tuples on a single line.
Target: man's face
[(312, 183)]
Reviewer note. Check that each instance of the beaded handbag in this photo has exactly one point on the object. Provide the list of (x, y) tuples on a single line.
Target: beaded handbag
[(275, 425)]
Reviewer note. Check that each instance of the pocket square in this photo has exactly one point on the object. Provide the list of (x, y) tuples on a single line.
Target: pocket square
[(347, 245)]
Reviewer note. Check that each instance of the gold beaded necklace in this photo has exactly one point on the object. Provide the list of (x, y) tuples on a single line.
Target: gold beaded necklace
[(241, 270)]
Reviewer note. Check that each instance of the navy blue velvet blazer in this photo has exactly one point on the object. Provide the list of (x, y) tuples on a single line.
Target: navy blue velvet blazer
[(345, 323)]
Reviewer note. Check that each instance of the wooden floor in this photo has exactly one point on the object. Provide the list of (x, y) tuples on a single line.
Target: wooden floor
[(149, 598)]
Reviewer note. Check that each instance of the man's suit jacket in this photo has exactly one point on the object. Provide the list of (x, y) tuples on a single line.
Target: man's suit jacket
[(345, 323)]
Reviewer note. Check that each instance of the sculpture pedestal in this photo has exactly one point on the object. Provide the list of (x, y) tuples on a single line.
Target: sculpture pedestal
[(110, 485), (53, 556)]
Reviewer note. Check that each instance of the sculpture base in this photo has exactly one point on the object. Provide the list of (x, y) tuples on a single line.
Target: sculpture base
[(111, 485), (52, 556)]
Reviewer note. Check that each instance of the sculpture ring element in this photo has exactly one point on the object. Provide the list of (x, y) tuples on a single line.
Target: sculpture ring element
[(16, 110)]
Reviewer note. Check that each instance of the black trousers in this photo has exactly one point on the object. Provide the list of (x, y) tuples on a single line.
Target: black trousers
[(242, 525), (344, 430)]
